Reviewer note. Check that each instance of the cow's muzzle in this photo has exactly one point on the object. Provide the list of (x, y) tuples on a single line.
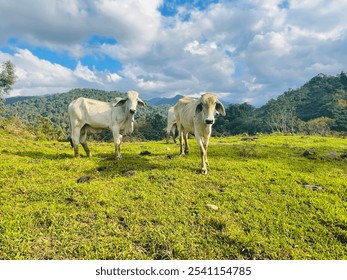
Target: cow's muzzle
[(209, 121), (132, 111)]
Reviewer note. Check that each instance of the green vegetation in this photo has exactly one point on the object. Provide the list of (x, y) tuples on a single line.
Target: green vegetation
[(273, 202), (317, 108), (323, 96), (322, 100), (265, 197), (7, 79), (52, 110)]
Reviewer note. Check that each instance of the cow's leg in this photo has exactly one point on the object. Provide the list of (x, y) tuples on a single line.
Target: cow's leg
[(181, 142), (203, 154), (117, 138), (186, 147), (206, 140), (75, 138), (83, 141), (118, 142), (167, 136), (86, 148)]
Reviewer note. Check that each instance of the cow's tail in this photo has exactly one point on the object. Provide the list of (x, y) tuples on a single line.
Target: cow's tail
[(174, 129), (174, 132)]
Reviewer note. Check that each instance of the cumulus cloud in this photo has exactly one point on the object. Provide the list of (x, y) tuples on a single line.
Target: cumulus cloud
[(196, 48), (53, 24), (85, 73), (248, 50), (134, 23), (37, 76)]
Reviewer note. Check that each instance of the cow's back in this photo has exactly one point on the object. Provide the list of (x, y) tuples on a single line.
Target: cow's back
[(184, 113), (92, 112)]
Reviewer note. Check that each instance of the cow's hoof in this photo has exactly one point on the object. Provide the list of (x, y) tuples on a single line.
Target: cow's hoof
[(203, 171), (118, 158)]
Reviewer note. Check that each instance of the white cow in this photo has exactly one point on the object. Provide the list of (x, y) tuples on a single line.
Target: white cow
[(171, 125), (94, 115), (197, 116)]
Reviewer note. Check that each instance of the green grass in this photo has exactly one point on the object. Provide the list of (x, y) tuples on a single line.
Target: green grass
[(160, 212)]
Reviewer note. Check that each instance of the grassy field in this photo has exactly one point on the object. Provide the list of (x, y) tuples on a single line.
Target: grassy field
[(157, 206)]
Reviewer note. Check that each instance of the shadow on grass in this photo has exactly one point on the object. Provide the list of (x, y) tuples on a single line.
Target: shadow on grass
[(131, 164), (42, 155), (162, 159)]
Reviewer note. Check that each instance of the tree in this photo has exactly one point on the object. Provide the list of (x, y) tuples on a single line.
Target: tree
[(7, 77), (45, 129), (318, 126), (343, 79), (151, 127), (239, 119)]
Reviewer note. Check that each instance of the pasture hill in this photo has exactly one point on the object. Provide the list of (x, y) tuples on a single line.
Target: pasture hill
[(318, 106), (276, 197), (265, 197)]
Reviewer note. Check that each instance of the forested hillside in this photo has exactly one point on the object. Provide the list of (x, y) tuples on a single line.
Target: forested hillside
[(322, 97), (318, 107), (52, 110), (165, 101)]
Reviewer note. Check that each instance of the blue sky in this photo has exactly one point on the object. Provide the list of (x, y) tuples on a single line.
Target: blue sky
[(244, 51)]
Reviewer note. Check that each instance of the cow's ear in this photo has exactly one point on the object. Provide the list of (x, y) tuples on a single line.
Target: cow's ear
[(198, 108), (140, 102), (120, 102), (220, 108)]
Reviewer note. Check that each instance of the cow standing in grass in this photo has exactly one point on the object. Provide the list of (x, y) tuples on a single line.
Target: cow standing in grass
[(94, 115), (197, 116)]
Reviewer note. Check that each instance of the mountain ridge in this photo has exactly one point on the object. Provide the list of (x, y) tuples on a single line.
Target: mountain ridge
[(323, 96)]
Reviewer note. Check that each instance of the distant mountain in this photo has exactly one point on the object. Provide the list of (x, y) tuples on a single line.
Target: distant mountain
[(164, 100), (11, 100), (157, 101), (314, 108), (322, 101), (322, 97)]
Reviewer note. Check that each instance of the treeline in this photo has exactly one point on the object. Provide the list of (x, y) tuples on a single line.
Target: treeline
[(318, 107), (47, 115)]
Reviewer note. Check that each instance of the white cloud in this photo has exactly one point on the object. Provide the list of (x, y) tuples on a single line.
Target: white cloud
[(248, 50), (37, 76), (150, 85), (33, 71), (113, 77), (252, 85), (85, 73), (134, 23), (195, 48)]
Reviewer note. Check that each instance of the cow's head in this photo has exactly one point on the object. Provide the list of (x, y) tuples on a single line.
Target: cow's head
[(130, 102), (208, 104)]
